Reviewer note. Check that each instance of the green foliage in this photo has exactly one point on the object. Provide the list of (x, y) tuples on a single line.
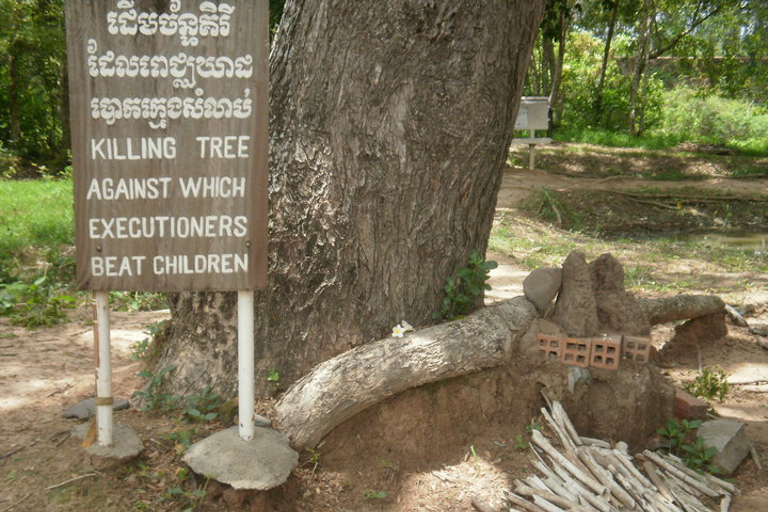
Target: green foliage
[(375, 495), (714, 119), (520, 442), (684, 444), (711, 384), (146, 349), (203, 406), (273, 376), (151, 395), (138, 301), (314, 458), (36, 304), (464, 291)]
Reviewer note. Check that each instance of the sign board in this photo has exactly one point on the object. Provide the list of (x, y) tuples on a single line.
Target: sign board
[(533, 113), (169, 109)]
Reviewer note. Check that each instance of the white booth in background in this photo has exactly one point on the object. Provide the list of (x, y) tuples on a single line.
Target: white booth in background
[(532, 115)]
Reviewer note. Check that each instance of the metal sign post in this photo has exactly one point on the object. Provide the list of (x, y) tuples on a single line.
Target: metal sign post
[(103, 349), (245, 364)]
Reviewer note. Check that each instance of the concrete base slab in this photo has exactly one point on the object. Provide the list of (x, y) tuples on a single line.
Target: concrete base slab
[(260, 464), (729, 439), (126, 446)]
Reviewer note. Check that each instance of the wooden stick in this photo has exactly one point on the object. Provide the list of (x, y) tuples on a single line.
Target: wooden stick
[(481, 506), (520, 502), (545, 445), (69, 481), (606, 479), (696, 484), (550, 497), (725, 503), (559, 413), (650, 470), (565, 440), (6, 509)]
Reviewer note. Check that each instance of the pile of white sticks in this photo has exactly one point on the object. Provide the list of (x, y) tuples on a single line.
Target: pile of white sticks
[(590, 475)]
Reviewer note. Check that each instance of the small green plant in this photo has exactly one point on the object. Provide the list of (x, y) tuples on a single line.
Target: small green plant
[(35, 304), (314, 458), (698, 457), (533, 425), (684, 443), (273, 376), (711, 384), (186, 493), (202, 406), (151, 396), (464, 292), (376, 495), (520, 442)]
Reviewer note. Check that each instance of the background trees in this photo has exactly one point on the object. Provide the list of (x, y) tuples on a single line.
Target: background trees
[(589, 57)]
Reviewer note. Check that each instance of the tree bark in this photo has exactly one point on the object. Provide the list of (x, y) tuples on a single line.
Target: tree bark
[(339, 388), (390, 126), (681, 307)]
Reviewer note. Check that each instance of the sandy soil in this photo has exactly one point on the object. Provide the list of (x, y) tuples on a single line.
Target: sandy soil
[(430, 449)]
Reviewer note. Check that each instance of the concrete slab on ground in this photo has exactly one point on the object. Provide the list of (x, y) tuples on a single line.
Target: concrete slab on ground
[(262, 463)]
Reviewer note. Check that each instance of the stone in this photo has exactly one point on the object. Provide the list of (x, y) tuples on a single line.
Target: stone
[(262, 463), (701, 329), (126, 444), (576, 308), (85, 409), (730, 440), (261, 421), (541, 287), (607, 274)]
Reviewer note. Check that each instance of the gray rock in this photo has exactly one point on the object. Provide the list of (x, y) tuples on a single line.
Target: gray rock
[(86, 408), (541, 287), (730, 440), (261, 421), (126, 445), (262, 463)]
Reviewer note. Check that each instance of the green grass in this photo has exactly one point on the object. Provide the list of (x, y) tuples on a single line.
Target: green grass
[(36, 217), (657, 264), (616, 139)]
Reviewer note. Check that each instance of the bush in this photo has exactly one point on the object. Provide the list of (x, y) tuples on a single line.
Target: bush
[(714, 119)]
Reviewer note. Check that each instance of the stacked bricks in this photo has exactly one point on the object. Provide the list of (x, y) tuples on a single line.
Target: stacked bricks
[(605, 352)]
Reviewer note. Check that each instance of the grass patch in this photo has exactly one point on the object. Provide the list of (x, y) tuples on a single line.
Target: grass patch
[(36, 225), (615, 139)]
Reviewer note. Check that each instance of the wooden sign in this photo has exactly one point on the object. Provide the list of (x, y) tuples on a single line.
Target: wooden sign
[(169, 109)]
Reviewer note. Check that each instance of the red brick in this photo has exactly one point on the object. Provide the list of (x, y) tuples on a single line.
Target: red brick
[(606, 352), (576, 351), (637, 348), (687, 406), (550, 346)]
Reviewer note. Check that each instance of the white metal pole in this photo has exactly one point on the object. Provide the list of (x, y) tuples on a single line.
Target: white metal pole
[(245, 360), (104, 420)]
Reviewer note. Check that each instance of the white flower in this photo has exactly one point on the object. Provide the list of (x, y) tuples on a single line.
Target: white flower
[(398, 331), (406, 326)]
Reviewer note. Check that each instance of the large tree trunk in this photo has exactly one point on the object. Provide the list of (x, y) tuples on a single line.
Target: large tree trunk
[(390, 123)]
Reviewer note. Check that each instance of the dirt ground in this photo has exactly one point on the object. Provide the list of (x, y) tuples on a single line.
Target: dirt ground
[(429, 449)]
